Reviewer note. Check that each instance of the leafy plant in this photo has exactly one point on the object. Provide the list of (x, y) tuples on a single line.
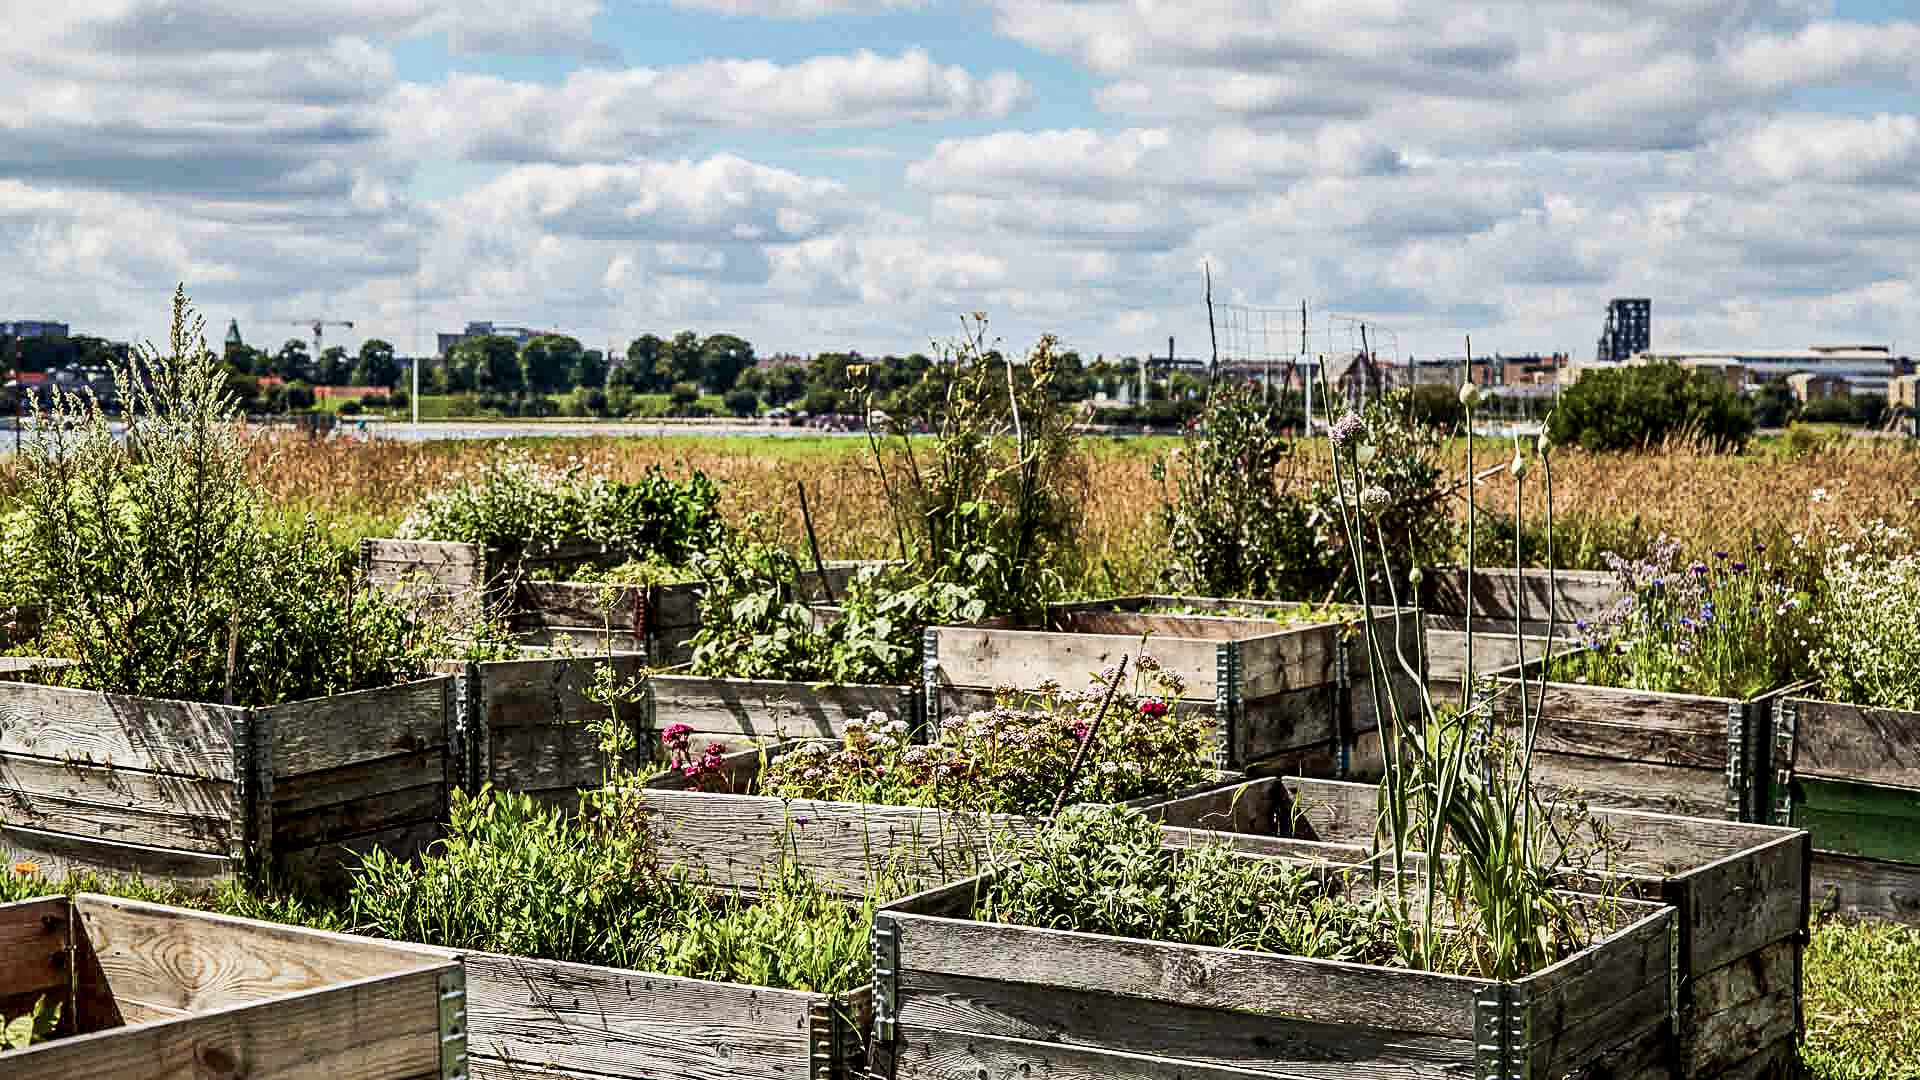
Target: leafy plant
[(155, 567), (1016, 757), (1241, 523), (523, 507), (1409, 522), (36, 1025), (1868, 621), (1102, 870)]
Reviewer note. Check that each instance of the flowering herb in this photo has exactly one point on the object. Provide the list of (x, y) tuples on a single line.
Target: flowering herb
[(1014, 757), (704, 770), (1866, 637), (1729, 629)]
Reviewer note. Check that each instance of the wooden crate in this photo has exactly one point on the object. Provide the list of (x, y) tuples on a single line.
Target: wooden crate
[(186, 792), (547, 1020), (1569, 595), (148, 990), (1277, 695), (1741, 891), (1685, 754), (1850, 774), (721, 829), (960, 998), (745, 711)]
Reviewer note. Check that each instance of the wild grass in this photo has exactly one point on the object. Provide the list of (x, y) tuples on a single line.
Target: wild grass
[(1862, 1002)]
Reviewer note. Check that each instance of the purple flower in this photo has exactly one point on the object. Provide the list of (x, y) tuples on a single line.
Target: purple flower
[(1758, 548), (1721, 555), (1348, 429), (1698, 569), (1739, 567)]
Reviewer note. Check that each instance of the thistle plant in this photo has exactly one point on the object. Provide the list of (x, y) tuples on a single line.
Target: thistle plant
[(1452, 785)]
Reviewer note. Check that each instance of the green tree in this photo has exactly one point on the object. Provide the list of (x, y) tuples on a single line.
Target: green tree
[(590, 371), (722, 358), (644, 370), (488, 364), (548, 362), (742, 401), (377, 366), (1633, 407), (682, 396), (334, 369), (292, 361), (682, 358), (298, 397)]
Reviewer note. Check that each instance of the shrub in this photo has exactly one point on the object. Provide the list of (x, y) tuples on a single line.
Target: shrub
[(351, 408), (1413, 525), (1436, 407), (521, 506), (154, 564), (1238, 526), (742, 402), (298, 396), (1634, 407)]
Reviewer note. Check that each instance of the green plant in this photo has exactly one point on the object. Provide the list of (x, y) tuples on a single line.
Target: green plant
[(1866, 629), (152, 556), (1409, 521), (1240, 523), (34, 1026), (1102, 870), (1721, 627), (523, 507), (1016, 757), (1644, 405)]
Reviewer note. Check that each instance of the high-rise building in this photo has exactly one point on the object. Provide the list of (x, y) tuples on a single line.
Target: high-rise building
[(1629, 330)]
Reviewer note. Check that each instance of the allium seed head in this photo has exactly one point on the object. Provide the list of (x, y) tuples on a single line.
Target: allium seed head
[(1365, 454), (1375, 501), (1347, 430), (1469, 394)]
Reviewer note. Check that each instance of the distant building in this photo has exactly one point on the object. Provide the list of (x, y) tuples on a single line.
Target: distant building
[(233, 335), (1863, 369), (1629, 330), (1525, 369), (519, 335), (1809, 386), (29, 328)]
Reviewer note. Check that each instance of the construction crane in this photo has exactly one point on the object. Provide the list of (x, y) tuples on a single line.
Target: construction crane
[(316, 324)]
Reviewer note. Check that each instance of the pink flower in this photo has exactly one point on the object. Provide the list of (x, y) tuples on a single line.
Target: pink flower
[(677, 736), (1150, 707)]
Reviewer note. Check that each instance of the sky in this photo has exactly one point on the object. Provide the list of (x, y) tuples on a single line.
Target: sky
[(834, 174)]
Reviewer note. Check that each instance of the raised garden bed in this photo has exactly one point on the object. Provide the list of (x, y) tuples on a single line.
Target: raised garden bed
[(1740, 889), (1565, 595), (1850, 775), (1279, 694), (956, 997), (739, 711), (148, 990), (1686, 754), (657, 619), (186, 792)]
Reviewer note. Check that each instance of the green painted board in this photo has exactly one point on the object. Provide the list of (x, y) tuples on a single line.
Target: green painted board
[(1873, 821)]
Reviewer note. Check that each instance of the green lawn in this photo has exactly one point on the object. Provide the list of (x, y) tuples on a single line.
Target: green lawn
[(1862, 1002)]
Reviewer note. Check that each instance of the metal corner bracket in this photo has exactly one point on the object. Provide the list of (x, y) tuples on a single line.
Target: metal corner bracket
[(1502, 1033), (453, 1025), (886, 977)]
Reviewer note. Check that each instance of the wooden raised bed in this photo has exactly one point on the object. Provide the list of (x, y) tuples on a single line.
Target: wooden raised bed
[(959, 998), (739, 711), (1567, 595), (1279, 696), (186, 792), (1741, 891), (1850, 774), (721, 829), (557, 1021), (1685, 754), (147, 990)]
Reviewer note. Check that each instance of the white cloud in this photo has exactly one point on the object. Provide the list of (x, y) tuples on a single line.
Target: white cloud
[(607, 115), (799, 9)]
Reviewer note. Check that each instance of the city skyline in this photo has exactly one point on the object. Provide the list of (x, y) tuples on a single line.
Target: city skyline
[(817, 175)]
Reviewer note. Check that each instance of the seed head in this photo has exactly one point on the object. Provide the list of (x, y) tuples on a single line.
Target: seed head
[(1365, 454), (1469, 394), (1375, 500), (1519, 466)]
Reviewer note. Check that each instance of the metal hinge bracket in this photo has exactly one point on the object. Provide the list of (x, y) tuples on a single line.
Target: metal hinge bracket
[(1737, 761), (1673, 972), (1786, 723), (1343, 705), (1503, 1033), (453, 1025), (930, 681), (886, 977), (1226, 703)]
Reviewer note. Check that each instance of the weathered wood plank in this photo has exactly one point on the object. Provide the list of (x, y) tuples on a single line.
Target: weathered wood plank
[(753, 708), (943, 1055), (605, 607), (177, 737), (1866, 888), (984, 658), (1781, 1061), (318, 1032), (325, 866), (197, 961), (34, 935), (1250, 807), (1724, 1039), (1109, 1030), (1763, 973), (1602, 996), (1631, 725), (608, 1022), (1634, 785), (422, 805), (122, 805), (62, 854), (1856, 742), (1325, 991), (1742, 903), (348, 729), (294, 795), (1569, 594)]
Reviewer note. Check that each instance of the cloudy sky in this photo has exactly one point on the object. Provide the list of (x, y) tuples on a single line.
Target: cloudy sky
[(855, 173)]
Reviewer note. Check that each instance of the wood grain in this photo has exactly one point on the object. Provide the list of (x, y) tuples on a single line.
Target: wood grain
[(1267, 984), (757, 708), (34, 935), (614, 1023), (122, 805), (1569, 594), (196, 961), (175, 737), (1744, 902), (319, 1032), (62, 854), (1856, 742), (937, 1009), (1866, 888), (367, 725)]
